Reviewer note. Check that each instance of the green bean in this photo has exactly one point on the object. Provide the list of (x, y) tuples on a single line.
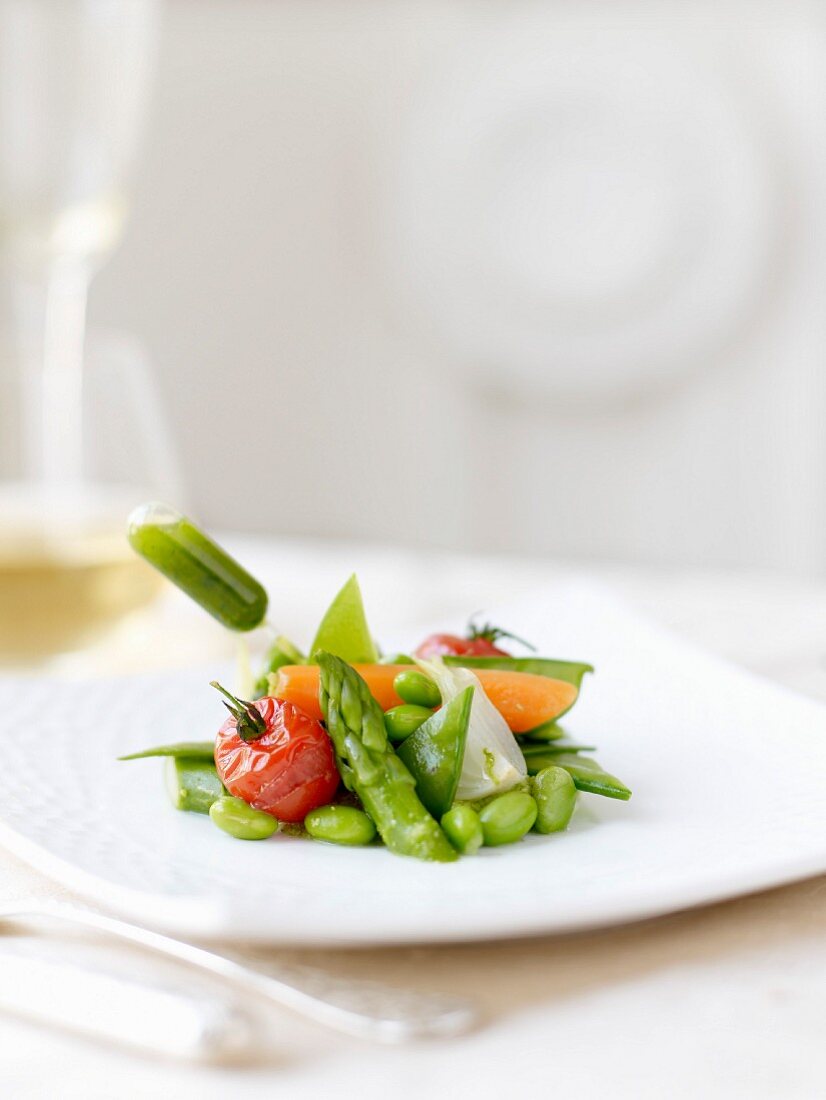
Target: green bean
[(507, 818), (586, 773), (197, 565), (340, 825), (570, 671), (555, 794), (195, 750), (192, 783), (550, 748), (463, 829), (239, 819), (401, 721), (414, 687)]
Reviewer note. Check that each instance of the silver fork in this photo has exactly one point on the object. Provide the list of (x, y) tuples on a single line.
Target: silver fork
[(366, 1009)]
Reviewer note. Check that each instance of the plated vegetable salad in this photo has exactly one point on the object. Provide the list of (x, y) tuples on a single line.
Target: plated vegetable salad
[(436, 754)]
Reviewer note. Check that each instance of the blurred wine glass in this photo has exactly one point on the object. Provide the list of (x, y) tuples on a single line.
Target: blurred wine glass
[(74, 82)]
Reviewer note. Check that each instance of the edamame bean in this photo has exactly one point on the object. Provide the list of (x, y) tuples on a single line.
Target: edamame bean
[(197, 565), (507, 818), (401, 721), (555, 794), (414, 687), (239, 819), (340, 825), (463, 829)]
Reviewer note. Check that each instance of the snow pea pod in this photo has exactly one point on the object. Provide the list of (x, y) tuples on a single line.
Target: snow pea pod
[(435, 752), (540, 748), (195, 750), (572, 672), (587, 774), (198, 566)]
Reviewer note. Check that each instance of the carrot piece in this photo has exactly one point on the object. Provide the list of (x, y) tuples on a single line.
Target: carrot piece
[(524, 699)]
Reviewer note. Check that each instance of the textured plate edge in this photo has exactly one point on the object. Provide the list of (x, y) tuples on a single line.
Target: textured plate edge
[(202, 918)]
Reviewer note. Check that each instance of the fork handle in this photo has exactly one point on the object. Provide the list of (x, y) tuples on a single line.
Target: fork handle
[(368, 1010)]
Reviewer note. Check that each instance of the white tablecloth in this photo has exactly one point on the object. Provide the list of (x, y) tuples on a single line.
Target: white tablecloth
[(726, 1001)]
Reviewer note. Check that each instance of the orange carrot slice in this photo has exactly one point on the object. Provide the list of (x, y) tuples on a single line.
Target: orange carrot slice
[(523, 699)]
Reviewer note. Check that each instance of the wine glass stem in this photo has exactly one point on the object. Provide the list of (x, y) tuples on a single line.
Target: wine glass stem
[(50, 310), (62, 388)]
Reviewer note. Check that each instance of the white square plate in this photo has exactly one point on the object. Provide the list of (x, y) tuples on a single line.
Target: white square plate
[(728, 774)]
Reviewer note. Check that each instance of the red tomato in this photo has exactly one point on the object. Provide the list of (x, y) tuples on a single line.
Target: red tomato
[(287, 771), (452, 645)]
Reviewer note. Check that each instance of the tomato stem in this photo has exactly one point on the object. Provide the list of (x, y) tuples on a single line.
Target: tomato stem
[(248, 721), (493, 633)]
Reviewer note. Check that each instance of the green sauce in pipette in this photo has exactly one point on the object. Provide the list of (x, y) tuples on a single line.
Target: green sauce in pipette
[(198, 566)]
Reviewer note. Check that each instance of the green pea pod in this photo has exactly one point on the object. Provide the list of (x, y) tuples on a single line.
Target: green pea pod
[(198, 566), (192, 784), (195, 750), (548, 731), (435, 752), (540, 748), (572, 672), (344, 631), (587, 774)]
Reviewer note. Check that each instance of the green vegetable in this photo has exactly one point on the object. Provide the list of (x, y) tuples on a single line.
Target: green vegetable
[(540, 748), (404, 720), (370, 767), (548, 731), (340, 825), (507, 818), (195, 750), (343, 631), (192, 783), (414, 687), (198, 566), (435, 752), (281, 652), (463, 829), (239, 819), (570, 671), (587, 774), (396, 659), (555, 794)]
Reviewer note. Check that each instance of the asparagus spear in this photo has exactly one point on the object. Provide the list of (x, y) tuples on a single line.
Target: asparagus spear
[(370, 767)]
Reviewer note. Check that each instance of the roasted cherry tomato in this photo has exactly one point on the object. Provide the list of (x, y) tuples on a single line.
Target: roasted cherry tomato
[(451, 645), (276, 758), (480, 641)]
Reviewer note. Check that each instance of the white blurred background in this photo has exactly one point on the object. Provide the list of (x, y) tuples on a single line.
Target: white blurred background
[(544, 277)]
